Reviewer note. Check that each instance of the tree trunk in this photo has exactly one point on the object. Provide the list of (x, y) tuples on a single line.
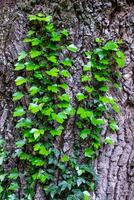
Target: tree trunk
[(86, 21)]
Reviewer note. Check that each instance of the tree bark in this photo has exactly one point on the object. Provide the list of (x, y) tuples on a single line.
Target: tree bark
[(86, 20)]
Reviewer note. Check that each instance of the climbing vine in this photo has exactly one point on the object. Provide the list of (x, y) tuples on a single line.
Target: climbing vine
[(44, 107)]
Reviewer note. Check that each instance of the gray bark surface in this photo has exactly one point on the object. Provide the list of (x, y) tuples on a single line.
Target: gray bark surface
[(86, 20)]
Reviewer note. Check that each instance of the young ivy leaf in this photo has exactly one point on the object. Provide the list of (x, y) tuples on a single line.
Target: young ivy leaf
[(19, 66), (35, 53), (80, 96), (72, 48), (33, 90), (24, 122), (37, 132), (65, 73), (113, 126), (22, 55), (53, 72), (34, 108), (110, 45), (20, 80), (67, 62), (65, 32), (17, 96), (109, 140), (52, 59), (84, 133), (57, 132), (89, 152), (19, 111)]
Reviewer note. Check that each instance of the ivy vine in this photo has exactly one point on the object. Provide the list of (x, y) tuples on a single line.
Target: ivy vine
[(43, 71)]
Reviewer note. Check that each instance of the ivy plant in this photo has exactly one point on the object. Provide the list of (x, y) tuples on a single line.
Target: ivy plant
[(43, 70)]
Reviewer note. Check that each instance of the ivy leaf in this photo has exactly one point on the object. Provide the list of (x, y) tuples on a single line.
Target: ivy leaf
[(115, 107), (64, 97), (87, 67), (110, 45), (13, 174), (33, 90), (37, 132), (72, 48), (109, 140), (84, 133), (98, 121), (85, 78), (53, 88), (56, 37), (30, 66), (19, 111), (35, 41), (89, 152), (58, 118), (67, 62), (80, 181), (86, 195), (20, 80), (53, 72), (58, 131), (13, 186), (20, 143), (113, 126), (35, 53), (1, 189), (100, 78), (19, 66), (80, 96), (89, 89), (22, 55), (17, 96), (52, 59), (24, 123), (64, 86), (65, 158), (65, 73), (65, 32), (34, 108)]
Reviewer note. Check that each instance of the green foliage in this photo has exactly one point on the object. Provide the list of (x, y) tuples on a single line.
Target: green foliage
[(49, 109)]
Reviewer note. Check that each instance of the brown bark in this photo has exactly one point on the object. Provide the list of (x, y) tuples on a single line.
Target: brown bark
[(86, 20)]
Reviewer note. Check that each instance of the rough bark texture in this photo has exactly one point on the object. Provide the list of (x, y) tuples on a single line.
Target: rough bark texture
[(86, 20)]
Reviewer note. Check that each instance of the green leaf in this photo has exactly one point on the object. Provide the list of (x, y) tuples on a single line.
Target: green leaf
[(80, 96), (86, 195), (53, 72), (72, 48), (98, 40), (65, 158), (34, 108), (13, 186), (89, 89), (98, 121), (58, 131), (56, 37), (20, 80), (17, 96), (65, 73), (30, 66), (1, 189), (84, 114), (23, 123), (110, 45), (67, 62), (113, 126), (35, 53), (89, 152), (35, 41), (64, 97), (37, 132), (65, 32), (19, 111), (100, 78), (31, 32), (13, 174), (22, 55), (20, 143), (33, 90), (85, 78), (84, 133), (52, 59), (63, 86), (53, 88), (87, 67), (19, 66), (116, 108), (109, 140)]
